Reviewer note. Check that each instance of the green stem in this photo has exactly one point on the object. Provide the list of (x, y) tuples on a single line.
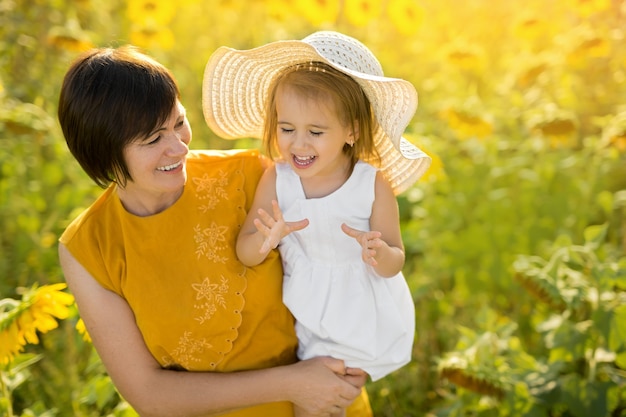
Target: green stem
[(6, 393)]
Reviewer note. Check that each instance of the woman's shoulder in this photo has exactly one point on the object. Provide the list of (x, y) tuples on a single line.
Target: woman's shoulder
[(225, 156), (248, 164), (100, 205)]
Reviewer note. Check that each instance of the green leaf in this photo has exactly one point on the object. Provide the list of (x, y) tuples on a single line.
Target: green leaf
[(124, 409), (620, 360), (104, 391), (585, 398), (617, 335), (23, 361), (595, 235), (605, 201)]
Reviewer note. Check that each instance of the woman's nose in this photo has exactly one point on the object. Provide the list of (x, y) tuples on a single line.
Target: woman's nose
[(178, 144)]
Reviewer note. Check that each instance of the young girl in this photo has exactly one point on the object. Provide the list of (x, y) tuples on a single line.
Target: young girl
[(334, 124)]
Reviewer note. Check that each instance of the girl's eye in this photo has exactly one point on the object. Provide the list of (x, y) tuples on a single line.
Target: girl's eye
[(285, 130), (180, 123), (316, 133)]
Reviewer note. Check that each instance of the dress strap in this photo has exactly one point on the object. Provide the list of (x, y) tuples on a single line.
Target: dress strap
[(288, 185)]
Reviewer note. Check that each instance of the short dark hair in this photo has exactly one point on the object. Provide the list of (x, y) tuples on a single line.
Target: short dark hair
[(109, 98)]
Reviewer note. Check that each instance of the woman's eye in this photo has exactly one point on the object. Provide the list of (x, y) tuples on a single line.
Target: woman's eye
[(153, 140)]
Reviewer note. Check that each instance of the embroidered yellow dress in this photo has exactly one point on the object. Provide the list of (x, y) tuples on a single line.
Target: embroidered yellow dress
[(197, 307)]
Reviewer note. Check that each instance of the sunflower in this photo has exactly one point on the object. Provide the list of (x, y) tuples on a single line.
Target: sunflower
[(614, 133), (557, 126), (152, 37), (543, 289), (406, 16), (82, 330), (150, 12), (278, 9), (464, 368), (70, 38), (481, 383), (9, 342), (584, 44), (530, 28), (37, 312), (466, 124), (319, 12), (588, 48), (531, 73), (465, 56), (586, 8), (361, 12)]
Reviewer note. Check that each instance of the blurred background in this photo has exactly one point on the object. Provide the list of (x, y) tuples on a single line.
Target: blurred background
[(515, 238)]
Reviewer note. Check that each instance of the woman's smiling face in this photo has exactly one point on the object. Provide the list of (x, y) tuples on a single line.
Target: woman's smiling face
[(156, 163)]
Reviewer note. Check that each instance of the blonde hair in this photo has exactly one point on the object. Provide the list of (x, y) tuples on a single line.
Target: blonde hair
[(319, 80)]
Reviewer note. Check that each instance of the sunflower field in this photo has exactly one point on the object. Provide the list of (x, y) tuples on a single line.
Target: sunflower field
[(515, 238)]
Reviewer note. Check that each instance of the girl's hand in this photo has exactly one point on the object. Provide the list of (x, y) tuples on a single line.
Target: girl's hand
[(275, 228), (369, 241)]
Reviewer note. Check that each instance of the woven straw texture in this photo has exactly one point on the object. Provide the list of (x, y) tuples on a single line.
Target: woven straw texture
[(236, 84)]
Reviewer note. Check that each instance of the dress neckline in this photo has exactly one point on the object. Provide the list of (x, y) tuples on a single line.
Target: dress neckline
[(329, 195)]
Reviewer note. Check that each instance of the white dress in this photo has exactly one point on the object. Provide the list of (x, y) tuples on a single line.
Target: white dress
[(342, 307)]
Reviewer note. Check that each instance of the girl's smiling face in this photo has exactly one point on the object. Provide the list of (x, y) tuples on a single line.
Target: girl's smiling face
[(157, 166), (310, 135)]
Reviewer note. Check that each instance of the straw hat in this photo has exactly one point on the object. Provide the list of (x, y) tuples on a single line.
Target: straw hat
[(236, 84)]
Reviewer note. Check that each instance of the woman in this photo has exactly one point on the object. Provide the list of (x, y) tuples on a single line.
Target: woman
[(181, 326)]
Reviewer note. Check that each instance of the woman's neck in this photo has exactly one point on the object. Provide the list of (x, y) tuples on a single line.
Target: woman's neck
[(143, 204)]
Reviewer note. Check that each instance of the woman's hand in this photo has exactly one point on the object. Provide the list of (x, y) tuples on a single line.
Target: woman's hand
[(323, 387), (356, 376)]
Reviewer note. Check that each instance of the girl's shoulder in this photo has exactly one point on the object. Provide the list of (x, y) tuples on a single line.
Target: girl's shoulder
[(365, 166)]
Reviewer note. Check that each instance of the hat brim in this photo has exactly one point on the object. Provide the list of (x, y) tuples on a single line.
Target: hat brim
[(236, 85)]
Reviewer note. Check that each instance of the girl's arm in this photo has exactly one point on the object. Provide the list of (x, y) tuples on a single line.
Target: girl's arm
[(154, 391), (261, 232), (382, 246)]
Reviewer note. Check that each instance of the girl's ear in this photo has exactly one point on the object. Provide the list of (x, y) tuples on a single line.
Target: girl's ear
[(354, 135)]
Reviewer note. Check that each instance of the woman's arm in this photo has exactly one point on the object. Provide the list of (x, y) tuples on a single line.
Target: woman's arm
[(154, 391), (382, 246)]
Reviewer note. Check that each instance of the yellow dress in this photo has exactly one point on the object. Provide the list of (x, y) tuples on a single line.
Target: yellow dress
[(197, 307)]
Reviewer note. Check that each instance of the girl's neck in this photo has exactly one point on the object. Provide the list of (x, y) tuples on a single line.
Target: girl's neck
[(323, 185)]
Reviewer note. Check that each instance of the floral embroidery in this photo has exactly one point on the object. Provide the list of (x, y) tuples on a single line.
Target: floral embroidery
[(211, 241), (189, 350), (215, 300), (211, 188), (211, 296)]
